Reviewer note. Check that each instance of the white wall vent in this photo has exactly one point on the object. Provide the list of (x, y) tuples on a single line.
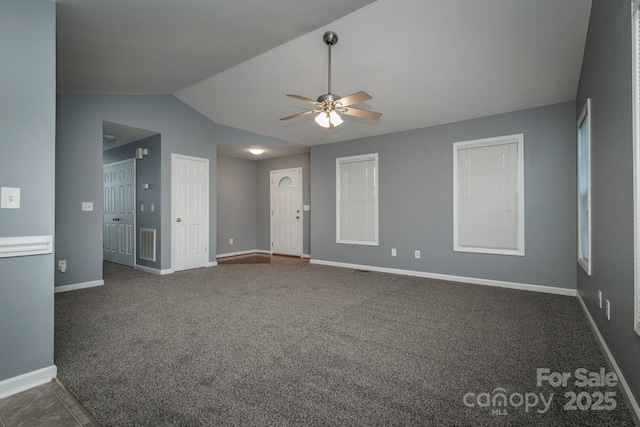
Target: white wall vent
[(148, 244)]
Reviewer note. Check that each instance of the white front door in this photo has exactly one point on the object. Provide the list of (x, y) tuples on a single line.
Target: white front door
[(119, 211), (190, 207), (286, 212)]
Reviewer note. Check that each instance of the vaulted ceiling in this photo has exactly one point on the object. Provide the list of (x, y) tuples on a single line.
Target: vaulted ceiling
[(425, 62)]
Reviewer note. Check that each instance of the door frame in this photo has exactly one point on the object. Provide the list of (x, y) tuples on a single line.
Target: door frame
[(135, 207), (271, 196), (204, 234)]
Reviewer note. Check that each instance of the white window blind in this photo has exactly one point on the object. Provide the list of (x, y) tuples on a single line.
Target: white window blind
[(357, 200), (488, 196), (584, 187), (636, 158)]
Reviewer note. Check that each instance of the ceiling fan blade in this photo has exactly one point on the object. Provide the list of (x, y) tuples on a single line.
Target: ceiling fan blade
[(354, 98), (302, 98), (363, 114), (304, 113)]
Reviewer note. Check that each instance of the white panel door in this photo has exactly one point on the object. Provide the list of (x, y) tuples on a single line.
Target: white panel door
[(119, 212), (190, 202), (286, 212)]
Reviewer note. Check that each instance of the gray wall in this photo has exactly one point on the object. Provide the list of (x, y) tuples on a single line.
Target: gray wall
[(236, 204), (606, 79), (264, 191), (147, 172), (27, 140), (416, 199), (79, 164)]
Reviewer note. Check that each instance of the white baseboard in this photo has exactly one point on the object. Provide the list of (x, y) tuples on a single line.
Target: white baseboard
[(211, 264), (153, 270), (26, 381), (625, 385), (252, 251), (306, 256), (473, 280), (230, 254), (76, 286)]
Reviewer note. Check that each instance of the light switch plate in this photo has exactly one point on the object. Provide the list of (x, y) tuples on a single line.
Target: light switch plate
[(87, 206), (9, 198)]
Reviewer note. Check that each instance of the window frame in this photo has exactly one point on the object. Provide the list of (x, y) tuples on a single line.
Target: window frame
[(489, 142), (585, 263), (635, 102), (355, 159)]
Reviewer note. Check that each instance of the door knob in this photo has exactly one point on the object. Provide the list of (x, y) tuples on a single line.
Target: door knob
[(178, 220)]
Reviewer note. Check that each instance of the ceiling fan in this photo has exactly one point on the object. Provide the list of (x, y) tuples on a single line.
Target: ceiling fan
[(328, 106)]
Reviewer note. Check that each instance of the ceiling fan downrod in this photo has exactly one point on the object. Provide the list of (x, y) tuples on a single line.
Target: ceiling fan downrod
[(330, 38)]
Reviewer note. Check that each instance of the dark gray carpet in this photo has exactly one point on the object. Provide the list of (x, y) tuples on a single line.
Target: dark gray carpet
[(308, 345)]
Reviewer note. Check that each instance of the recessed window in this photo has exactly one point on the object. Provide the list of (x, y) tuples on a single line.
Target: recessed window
[(584, 188), (488, 195), (357, 200)]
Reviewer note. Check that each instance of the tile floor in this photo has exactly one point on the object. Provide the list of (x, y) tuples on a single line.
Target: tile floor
[(48, 405)]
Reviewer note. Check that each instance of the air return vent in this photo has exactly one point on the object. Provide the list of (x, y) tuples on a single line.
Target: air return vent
[(148, 244)]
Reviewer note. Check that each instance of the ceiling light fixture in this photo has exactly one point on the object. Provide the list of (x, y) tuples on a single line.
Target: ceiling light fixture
[(329, 120), (109, 138), (256, 151)]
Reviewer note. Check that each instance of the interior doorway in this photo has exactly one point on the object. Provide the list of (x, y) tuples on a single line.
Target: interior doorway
[(131, 195), (119, 181), (190, 206), (286, 212)]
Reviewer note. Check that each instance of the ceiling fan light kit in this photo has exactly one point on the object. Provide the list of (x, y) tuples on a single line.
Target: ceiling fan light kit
[(329, 105), (329, 120)]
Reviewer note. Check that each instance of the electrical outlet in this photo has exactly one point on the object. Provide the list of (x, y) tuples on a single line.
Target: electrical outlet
[(231, 241), (600, 299), (608, 310), (62, 265), (87, 206), (417, 254), (394, 252)]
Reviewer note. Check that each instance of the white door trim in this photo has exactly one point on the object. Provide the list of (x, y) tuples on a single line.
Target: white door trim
[(135, 206), (271, 194), (205, 229)]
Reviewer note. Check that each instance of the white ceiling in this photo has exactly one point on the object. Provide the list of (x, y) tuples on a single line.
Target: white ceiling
[(161, 46), (425, 62)]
